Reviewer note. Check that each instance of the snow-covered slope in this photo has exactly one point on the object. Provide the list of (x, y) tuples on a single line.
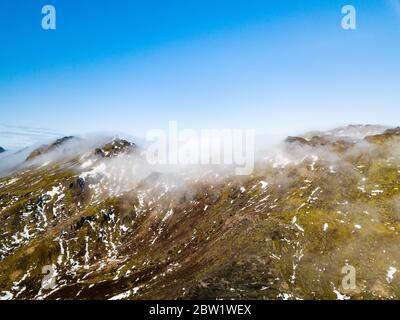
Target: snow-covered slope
[(113, 228)]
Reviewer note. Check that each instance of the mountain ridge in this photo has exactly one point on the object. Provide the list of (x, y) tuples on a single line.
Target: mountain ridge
[(113, 229)]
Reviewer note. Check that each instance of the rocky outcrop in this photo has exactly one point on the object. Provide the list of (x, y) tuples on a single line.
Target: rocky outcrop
[(321, 141), (47, 148), (114, 148), (384, 137), (284, 232)]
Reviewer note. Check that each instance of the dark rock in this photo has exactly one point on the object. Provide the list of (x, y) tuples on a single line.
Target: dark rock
[(46, 148), (321, 141), (114, 148), (81, 183), (99, 152), (299, 140), (387, 135)]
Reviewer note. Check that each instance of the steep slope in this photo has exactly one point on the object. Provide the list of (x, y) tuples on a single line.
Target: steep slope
[(2, 149), (285, 232)]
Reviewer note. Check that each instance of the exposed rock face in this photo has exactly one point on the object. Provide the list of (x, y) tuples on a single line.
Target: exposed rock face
[(321, 141), (386, 136), (114, 148), (298, 140), (2, 149), (284, 232), (45, 149), (343, 138)]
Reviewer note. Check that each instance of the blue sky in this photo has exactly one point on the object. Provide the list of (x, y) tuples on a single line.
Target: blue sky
[(278, 66)]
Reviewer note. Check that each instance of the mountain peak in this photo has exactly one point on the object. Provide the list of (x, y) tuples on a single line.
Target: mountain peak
[(115, 147), (123, 230), (47, 148), (2, 150)]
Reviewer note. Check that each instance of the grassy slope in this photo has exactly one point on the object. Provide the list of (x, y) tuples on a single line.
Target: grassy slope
[(261, 243)]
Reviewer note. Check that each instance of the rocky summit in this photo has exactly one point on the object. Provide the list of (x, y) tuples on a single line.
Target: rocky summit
[(109, 227)]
